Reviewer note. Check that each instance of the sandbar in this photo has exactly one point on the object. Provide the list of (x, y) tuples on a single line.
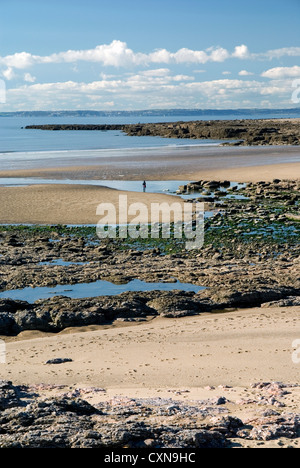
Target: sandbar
[(69, 204)]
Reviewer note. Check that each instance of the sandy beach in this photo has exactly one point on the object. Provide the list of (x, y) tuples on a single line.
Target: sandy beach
[(150, 227), (68, 204), (190, 361), (77, 204), (237, 164), (235, 354), (234, 348)]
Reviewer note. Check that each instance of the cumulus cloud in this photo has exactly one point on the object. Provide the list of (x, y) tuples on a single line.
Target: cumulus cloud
[(118, 54), (283, 52), (135, 92), (8, 74), (241, 52), (156, 72), (29, 78), (158, 78), (245, 73), (282, 72), (219, 54), (145, 90), (20, 60)]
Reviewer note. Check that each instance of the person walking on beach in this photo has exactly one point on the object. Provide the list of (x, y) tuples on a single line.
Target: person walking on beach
[(144, 186)]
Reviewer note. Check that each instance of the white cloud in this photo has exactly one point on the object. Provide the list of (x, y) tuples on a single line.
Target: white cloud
[(144, 91), (155, 79), (139, 85), (282, 72), (109, 103), (160, 56), (189, 56), (29, 78), (8, 74), (185, 55), (182, 78), (19, 60), (241, 52), (219, 55), (245, 73), (283, 52), (118, 54), (115, 54), (156, 72)]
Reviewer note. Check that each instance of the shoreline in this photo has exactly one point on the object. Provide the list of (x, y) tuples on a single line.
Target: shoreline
[(235, 364), (246, 164)]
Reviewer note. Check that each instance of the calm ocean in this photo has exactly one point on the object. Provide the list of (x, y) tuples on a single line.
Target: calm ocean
[(24, 149), (14, 138)]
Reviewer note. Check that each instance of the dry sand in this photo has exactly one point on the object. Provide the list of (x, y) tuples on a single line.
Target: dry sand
[(234, 348), (68, 204), (190, 359)]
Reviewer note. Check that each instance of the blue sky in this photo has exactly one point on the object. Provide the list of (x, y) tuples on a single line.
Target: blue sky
[(140, 55)]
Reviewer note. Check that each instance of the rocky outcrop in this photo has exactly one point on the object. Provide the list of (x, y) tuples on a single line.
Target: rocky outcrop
[(30, 418), (250, 258), (90, 127), (58, 313), (243, 132)]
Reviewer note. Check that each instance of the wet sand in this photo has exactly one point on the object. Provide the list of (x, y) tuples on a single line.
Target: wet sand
[(65, 204), (240, 164)]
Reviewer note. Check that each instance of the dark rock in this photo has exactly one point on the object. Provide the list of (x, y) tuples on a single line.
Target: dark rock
[(8, 305), (8, 325), (9, 395), (59, 360)]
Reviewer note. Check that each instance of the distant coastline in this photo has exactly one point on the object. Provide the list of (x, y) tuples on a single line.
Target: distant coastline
[(154, 112)]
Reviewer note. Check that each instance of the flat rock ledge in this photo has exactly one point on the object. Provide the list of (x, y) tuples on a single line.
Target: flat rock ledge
[(60, 312), (237, 132), (30, 418)]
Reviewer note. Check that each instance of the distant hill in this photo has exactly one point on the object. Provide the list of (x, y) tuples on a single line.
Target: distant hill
[(156, 112)]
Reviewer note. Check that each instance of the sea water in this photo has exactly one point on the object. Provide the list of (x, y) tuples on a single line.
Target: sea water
[(94, 289), (22, 148)]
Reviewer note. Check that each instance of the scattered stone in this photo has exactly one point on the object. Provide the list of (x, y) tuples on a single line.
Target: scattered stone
[(59, 360)]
